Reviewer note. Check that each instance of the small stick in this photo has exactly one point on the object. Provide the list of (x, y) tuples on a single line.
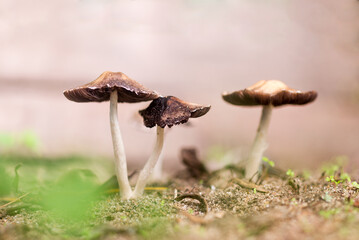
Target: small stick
[(249, 185), (15, 200), (115, 190)]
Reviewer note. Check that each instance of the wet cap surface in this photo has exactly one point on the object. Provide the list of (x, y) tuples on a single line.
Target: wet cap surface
[(169, 111), (269, 92), (100, 90)]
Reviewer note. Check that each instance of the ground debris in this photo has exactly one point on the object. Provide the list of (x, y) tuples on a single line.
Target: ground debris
[(316, 210), (249, 185), (197, 197), (194, 166)]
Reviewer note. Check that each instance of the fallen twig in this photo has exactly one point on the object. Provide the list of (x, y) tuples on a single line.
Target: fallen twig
[(248, 185), (7, 199), (15, 200), (115, 190)]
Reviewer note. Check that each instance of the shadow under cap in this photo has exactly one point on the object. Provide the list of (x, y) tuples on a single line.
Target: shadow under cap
[(268, 92), (169, 111), (100, 90)]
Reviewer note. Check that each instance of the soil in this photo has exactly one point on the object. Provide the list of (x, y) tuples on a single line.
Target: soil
[(221, 206)]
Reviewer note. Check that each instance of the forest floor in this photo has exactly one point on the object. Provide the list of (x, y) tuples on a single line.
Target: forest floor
[(219, 205)]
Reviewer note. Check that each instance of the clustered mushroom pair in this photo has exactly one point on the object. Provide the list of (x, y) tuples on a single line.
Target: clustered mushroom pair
[(163, 111), (169, 111)]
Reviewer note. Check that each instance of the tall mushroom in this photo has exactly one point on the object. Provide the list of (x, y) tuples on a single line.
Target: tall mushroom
[(269, 94), (114, 87), (164, 111)]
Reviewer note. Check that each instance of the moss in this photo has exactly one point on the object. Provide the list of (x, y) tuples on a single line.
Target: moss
[(122, 213)]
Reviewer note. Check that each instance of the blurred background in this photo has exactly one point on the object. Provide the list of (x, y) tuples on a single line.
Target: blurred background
[(192, 49)]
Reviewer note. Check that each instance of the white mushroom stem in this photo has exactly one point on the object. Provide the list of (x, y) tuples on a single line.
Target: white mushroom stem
[(157, 173), (259, 144), (119, 150), (150, 164)]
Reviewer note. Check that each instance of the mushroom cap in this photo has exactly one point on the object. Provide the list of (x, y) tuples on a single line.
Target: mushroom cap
[(268, 92), (169, 111), (99, 90)]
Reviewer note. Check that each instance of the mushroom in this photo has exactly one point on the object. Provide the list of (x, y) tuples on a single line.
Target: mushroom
[(114, 87), (269, 94), (164, 111)]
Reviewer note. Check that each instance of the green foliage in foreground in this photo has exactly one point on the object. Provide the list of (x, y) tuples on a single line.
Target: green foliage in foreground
[(5, 181), (69, 202), (72, 194)]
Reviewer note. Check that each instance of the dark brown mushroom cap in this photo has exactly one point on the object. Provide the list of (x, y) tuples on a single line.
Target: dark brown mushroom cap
[(272, 92), (100, 90), (169, 111)]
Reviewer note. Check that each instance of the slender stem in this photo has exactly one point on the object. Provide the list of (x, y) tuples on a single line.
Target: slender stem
[(157, 173), (119, 150), (259, 144), (150, 164)]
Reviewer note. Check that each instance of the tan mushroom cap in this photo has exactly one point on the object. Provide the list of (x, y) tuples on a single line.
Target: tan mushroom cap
[(268, 92), (100, 90), (169, 111)]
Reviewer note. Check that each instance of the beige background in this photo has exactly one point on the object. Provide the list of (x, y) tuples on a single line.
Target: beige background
[(194, 50)]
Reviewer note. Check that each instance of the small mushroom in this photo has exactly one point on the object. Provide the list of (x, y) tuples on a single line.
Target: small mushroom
[(269, 94), (114, 87), (164, 111)]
